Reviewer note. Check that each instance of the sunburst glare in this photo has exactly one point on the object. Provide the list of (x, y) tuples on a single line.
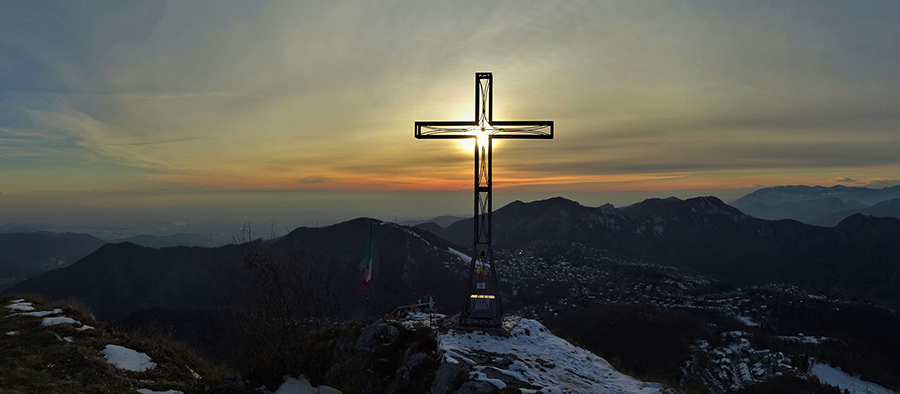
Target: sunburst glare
[(481, 132)]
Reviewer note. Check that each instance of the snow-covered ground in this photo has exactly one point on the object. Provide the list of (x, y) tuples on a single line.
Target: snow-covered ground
[(836, 377), (42, 313), (20, 305), (52, 321), (26, 308), (539, 358), (126, 359), (463, 256), (746, 321), (422, 319), (302, 386)]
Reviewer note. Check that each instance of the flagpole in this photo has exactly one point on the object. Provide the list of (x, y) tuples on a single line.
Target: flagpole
[(368, 262)]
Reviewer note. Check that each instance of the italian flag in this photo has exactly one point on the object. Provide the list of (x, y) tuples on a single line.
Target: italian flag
[(366, 265)]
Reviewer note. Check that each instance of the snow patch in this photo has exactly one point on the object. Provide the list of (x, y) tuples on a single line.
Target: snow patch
[(302, 386), (421, 319), (417, 235), (52, 321), (514, 371), (452, 356), (836, 377), (542, 359), (126, 359), (545, 390), (20, 305), (482, 377), (463, 256), (85, 327), (12, 333), (746, 321), (41, 313), (805, 339), (296, 386)]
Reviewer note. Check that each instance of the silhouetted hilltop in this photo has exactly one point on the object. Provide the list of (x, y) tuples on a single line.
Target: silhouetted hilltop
[(167, 241), (24, 255), (119, 279)]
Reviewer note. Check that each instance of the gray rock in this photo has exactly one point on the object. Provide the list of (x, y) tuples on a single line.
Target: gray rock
[(344, 347), (507, 360), (476, 387), (414, 361), (545, 363), (328, 390), (391, 335), (366, 340), (446, 375), (377, 333), (495, 374), (236, 384)]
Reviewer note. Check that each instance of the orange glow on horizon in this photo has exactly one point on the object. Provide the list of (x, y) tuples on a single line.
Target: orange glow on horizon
[(618, 182), (463, 182), (369, 175)]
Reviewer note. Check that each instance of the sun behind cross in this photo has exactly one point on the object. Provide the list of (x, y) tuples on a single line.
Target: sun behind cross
[(483, 306)]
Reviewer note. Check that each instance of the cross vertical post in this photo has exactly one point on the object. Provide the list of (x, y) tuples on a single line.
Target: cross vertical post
[(482, 306)]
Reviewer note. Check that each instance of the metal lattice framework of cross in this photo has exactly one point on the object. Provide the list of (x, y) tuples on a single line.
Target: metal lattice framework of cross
[(482, 306)]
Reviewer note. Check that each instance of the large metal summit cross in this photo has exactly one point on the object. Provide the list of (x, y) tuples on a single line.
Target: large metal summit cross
[(482, 306)]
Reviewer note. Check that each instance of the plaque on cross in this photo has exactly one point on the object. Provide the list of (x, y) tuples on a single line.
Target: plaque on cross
[(482, 306)]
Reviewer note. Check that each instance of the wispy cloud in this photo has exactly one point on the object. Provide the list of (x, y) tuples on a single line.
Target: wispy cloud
[(313, 180), (306, 95), (882, 183)]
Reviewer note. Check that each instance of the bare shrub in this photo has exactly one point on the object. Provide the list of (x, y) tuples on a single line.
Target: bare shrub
[(286, 294)]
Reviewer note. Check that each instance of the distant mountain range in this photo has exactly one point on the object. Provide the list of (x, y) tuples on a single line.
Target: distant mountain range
[(166, 241), (442, 221), (818, 205), (857, 258), (780, 194), (20, 228), (24, 255)]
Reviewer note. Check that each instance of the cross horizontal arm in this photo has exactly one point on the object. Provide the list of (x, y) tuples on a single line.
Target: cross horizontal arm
[(499, 129), (522, 129), (444, 129)]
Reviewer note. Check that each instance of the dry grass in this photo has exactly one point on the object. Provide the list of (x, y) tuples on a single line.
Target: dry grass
[(39, 359)]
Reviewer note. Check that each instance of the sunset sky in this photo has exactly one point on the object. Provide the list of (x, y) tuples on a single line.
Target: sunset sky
[(304, 110)]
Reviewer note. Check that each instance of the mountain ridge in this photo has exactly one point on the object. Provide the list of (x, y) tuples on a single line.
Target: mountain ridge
[(819, 205), (779, 194), (26, 254), (118, 279), (707, 236)]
